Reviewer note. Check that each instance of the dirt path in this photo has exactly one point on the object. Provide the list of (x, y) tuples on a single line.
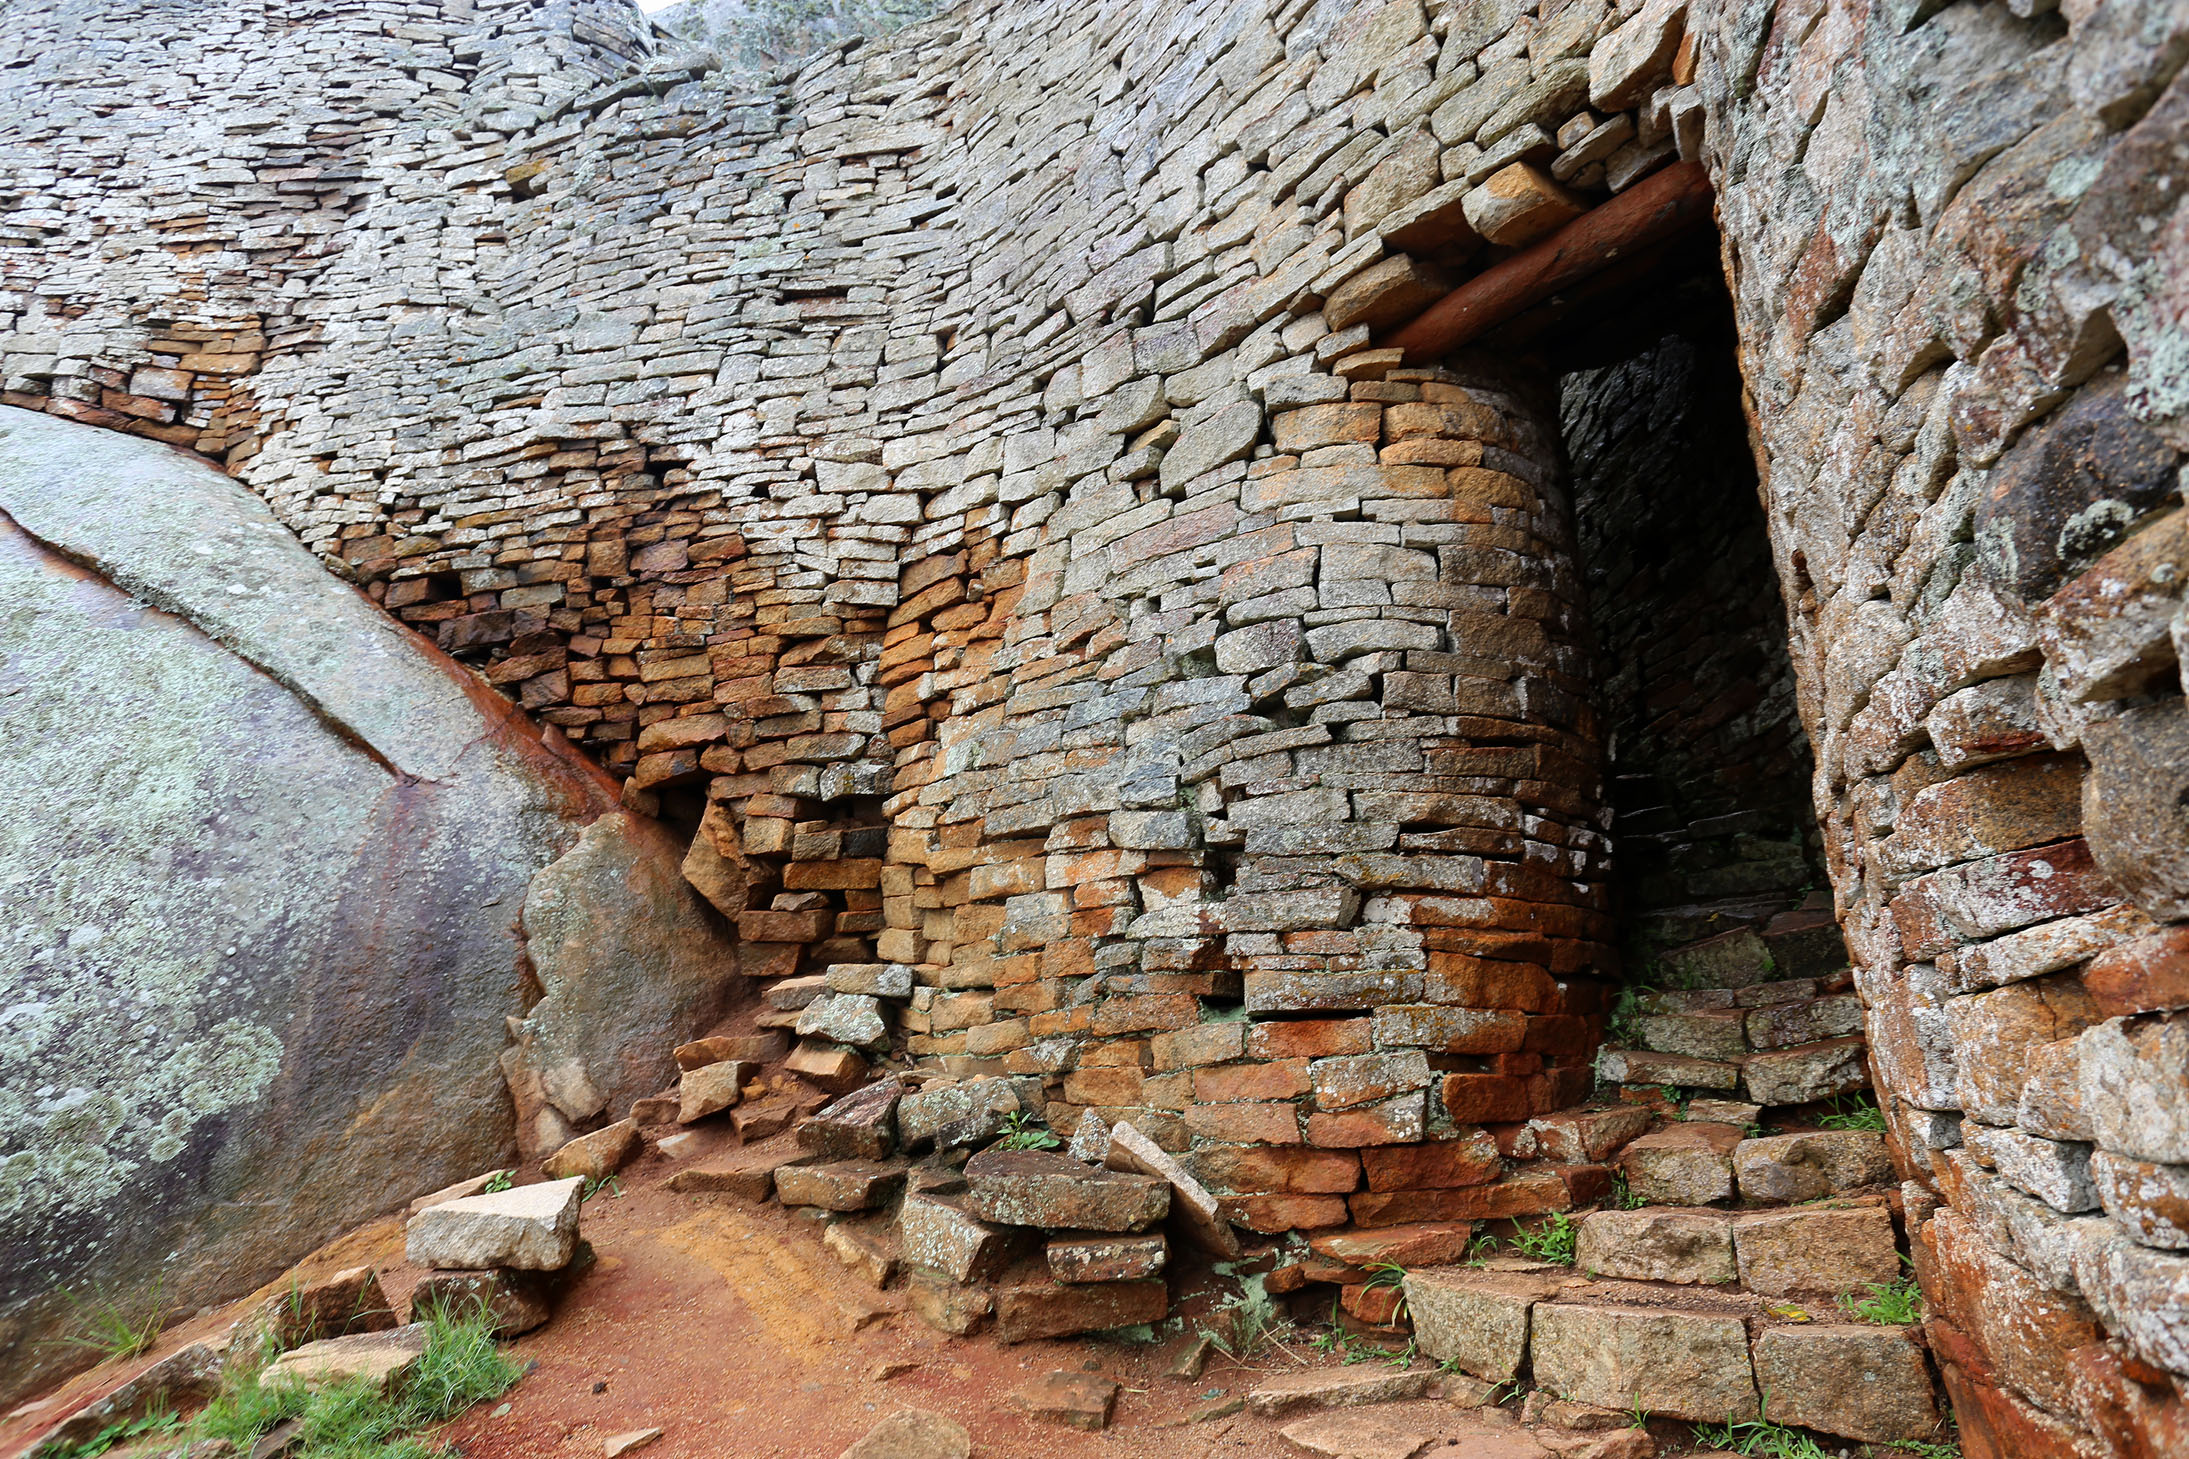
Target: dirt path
[(731, 1329)]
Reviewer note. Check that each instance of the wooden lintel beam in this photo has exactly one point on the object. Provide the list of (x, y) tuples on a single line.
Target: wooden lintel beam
[(1660, 206)]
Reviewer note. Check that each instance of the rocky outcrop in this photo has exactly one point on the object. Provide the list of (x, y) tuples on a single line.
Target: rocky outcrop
[(265, 855)]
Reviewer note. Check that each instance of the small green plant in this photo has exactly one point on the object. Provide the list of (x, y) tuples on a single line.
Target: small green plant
[(1623, 1028), (1891, 1304), (1553, 1240), (1244, 1322), (1638, 1415), (1022, 1132), (595, 1184), (498, 1181), (1389, 1274), (1950, 1449), (1623, 1196), (1858, 1114), (1479, 1253)]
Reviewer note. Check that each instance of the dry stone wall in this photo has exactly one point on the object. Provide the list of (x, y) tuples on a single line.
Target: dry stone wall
[(962, 482)]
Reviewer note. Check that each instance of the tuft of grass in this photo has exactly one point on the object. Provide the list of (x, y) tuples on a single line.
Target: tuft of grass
[(1389, 1274), (1762, 1438), (103, 1324), (1622, 1196), (1021, 1131), (594, 1185), (1553, 1240), (461, 1367), (1890, 1304), (498, 1182), (1857, 1114)]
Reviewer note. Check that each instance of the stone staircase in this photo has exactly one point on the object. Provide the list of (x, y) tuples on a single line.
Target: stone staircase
[(1738, 1303), (1655, 1255), (1757, 1011)]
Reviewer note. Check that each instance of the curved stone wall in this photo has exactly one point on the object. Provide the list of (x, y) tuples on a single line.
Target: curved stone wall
[(907, 471)]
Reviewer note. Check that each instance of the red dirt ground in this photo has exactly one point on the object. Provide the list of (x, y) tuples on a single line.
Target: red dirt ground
[(732, 1329)]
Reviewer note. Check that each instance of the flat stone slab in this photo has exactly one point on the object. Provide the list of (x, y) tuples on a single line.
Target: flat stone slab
[(1107, 1257), (1816, 1250), (530, 1227), (1054, 1309), (1477, 1321), (1656, 1244), (594, 1156), (1194, 1212), (843, 1185), (382, 1359), (747, 1175), (1680, 1364), (1336, 1388), (1848, 1379), (514, 1301), (1688, 1164), (1043, 1188), (862, 1125), (936, 1231), (1782, 1169), (711, 1088), (1075, 1400), (1808, 1072), (1353, 1436), (913, 1433)]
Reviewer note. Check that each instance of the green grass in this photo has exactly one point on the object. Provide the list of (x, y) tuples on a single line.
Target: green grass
[(1389, 1274), (461, 1366), (1891, 1304), (499, 1181), (1762, 1438), (1552, 1240), (1857, 1114), (594, 1185), (1622, 1197), (104, 1326), (143, 1425), (1021, 1132)]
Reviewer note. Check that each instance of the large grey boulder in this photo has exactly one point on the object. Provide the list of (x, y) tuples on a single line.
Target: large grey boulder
[(263, 854)]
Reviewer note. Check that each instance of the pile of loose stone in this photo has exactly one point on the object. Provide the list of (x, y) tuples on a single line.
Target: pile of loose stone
[(1047, 1242)]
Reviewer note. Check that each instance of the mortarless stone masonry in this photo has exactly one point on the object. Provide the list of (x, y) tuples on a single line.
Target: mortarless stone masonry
[(960, 482)]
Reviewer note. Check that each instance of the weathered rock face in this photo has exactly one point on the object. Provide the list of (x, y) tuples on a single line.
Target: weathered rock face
[(630, 958), (263, 853)]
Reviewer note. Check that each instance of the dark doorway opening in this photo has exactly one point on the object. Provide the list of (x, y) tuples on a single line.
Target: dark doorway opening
[(1709, 767)]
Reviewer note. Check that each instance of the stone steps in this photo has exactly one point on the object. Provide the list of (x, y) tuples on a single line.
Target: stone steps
[(1682, 1350), (1724, 1019), (1798, 1074)]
